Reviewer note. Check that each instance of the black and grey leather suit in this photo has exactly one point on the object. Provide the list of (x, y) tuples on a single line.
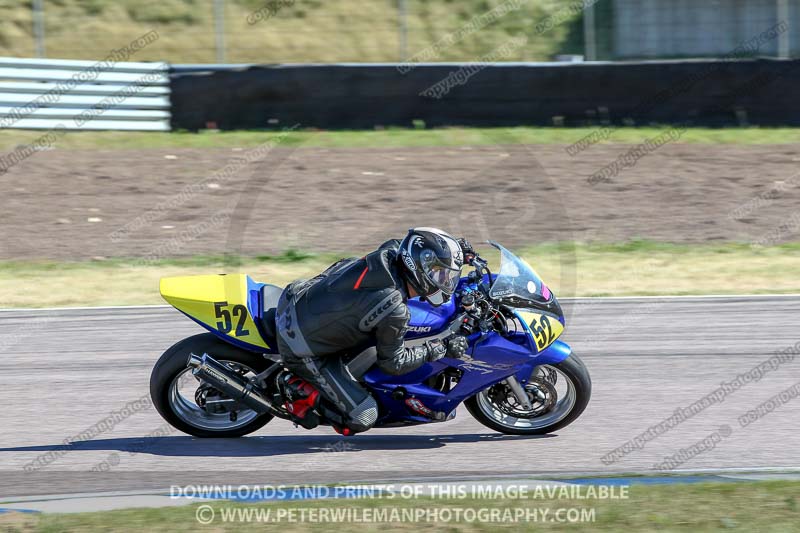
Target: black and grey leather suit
[(354, 304)]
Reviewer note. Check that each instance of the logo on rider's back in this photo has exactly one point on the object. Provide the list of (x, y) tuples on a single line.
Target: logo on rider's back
[(383, 307)]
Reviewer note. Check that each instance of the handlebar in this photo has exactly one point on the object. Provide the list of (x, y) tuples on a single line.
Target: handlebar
[(476, 276), (479, 312)]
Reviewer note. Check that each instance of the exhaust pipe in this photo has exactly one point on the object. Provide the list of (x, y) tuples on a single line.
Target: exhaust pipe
[(223, 379)]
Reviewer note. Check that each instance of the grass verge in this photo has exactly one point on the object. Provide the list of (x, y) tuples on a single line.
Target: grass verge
[(759, 506), (389, 138), (272, 31), (627, 269)]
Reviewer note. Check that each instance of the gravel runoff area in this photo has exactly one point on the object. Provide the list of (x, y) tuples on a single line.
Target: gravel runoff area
[(85, 204)]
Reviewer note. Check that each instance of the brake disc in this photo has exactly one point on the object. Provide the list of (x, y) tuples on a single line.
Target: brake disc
[(541, 393)]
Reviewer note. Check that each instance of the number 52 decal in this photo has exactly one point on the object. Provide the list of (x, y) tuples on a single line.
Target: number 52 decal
[(542, 332), (225, 325), (545, 329)]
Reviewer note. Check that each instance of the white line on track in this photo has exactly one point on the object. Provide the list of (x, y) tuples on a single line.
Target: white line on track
[(575, 299)]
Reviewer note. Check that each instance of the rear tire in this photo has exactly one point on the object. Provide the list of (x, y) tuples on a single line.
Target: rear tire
[(573, 369), (173, 363)]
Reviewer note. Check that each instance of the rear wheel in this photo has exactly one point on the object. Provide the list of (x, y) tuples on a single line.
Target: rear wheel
[(557, 394), (183, 400)]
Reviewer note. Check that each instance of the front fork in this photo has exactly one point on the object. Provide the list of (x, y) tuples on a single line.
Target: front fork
[(553, 354), (518, 392)]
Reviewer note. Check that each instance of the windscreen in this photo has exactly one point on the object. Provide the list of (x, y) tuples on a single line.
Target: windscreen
[(517, 279)]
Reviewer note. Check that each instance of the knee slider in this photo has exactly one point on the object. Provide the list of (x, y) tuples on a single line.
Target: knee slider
[(364, 415)]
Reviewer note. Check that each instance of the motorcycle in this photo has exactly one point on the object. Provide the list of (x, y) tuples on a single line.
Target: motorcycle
[(516, 377)]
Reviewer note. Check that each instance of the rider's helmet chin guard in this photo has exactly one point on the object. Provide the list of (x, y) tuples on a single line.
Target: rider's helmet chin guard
[(431, 262)]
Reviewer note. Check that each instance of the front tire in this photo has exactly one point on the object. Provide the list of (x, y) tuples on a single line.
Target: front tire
[(554, 411), (185, 415)]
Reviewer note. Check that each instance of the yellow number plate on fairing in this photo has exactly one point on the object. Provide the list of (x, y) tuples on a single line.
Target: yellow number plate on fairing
[(544, 328), (218, 301)]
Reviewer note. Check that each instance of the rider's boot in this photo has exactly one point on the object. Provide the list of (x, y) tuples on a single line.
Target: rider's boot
[(302, 400)]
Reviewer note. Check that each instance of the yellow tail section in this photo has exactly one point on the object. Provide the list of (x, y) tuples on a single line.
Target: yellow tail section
[(217, 301)]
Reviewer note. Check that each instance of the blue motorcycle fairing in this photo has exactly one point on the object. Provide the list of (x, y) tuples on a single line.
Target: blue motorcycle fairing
[(493, 360), (255, 306), (427, 320)]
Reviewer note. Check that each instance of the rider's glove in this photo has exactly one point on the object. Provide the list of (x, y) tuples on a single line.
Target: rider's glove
[(436, 350), (456, 346), (467, 250)]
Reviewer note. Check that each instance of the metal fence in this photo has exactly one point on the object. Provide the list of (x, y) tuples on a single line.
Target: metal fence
[(647, 29), (84, 95)]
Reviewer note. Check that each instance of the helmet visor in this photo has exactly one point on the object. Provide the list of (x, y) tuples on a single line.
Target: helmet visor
[(443, 277)]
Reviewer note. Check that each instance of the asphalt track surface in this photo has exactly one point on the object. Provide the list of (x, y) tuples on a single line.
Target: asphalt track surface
[(63, 371)]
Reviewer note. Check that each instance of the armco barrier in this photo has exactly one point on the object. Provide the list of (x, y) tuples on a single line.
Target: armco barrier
[(711, 93), (83, 95)]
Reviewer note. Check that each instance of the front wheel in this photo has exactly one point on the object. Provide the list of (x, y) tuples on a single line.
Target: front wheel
[(557, 393), (183, 401)]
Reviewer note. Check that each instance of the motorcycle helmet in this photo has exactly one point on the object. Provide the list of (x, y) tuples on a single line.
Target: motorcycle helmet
[(431, 261)]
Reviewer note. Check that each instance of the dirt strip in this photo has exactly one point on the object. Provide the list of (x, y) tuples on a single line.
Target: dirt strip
[(178, 202)]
